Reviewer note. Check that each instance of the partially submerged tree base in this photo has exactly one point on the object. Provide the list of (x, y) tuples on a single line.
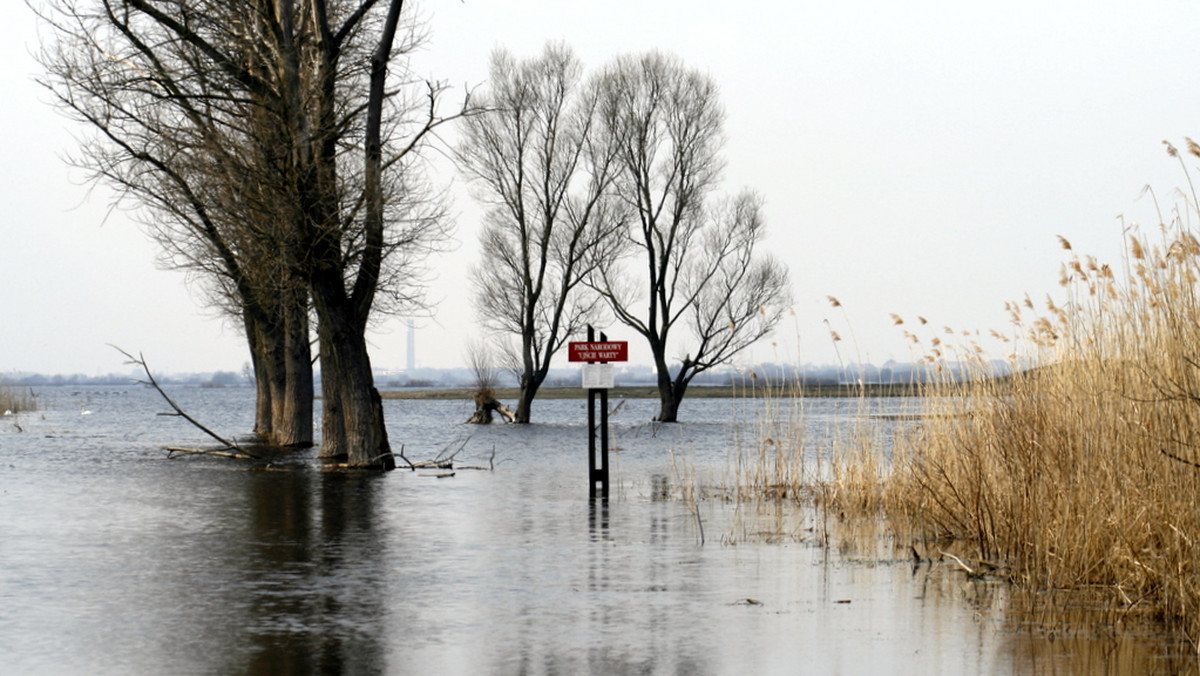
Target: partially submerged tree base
[(385, 462), (485, 405), (231, 449), (480, 358)]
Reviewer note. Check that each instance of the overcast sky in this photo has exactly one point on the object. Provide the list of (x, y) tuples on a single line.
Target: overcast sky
[(915, 160)]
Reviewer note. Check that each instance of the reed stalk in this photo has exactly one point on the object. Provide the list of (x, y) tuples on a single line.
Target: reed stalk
[(1081, 473)]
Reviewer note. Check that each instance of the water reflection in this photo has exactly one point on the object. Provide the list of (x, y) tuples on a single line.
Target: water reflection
[(315, 568), (598, 519), (1050, 636), (1029, 632), (142, 565)]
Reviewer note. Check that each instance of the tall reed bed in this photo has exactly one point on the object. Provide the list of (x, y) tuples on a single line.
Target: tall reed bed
[(804, 450), (768, 458), (1082, 472), (767, 465)]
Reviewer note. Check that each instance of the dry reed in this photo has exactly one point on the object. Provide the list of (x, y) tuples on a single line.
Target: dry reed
[(1081, 473), (801, 450), (1077, 470), (13, 401)]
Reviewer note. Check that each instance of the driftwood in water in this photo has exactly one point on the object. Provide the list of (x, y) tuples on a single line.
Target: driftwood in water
[(230, 450), (982, 568), (444, 459), (485, 404), (220, 452)]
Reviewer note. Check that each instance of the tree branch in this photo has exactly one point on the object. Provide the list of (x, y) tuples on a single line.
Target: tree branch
[(179, 412)]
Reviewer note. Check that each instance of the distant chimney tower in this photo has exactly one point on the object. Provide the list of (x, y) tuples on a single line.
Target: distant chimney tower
[(412, 346)]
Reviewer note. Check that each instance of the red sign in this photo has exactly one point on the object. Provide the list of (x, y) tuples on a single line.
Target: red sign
[(594, 351)]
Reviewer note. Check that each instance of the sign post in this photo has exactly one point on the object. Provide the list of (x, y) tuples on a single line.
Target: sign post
[(598, 378)]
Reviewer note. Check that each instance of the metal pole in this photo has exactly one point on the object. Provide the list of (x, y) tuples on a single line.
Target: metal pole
[(592, 441), (597, 468), (591, 336), (604, 432)]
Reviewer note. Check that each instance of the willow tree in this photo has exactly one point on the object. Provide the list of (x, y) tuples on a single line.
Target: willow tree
[(549, 218), (272, 152), (692, 280), (180, 142)]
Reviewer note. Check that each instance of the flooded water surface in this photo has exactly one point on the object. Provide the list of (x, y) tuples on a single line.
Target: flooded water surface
[(117, 560)]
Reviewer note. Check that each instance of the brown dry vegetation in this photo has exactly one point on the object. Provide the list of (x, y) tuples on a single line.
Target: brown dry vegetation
[(1084, 473), (14, 401), (1081, 474)]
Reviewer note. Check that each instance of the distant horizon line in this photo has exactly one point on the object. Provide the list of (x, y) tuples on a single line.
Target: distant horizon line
[(136, 373)]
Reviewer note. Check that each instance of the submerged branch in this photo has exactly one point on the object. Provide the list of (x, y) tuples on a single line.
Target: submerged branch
[(967, 569), (227, 452), (445, 459), (179, 412)]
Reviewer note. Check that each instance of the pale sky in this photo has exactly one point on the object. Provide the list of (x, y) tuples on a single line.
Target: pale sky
[(916, 158)]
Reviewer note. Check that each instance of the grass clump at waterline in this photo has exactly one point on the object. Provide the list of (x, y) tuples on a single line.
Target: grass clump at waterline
[(802, 450), (1082, 473), (13, 401)]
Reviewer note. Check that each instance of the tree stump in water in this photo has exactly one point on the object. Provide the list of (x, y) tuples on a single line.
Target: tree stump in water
[(485, 404)]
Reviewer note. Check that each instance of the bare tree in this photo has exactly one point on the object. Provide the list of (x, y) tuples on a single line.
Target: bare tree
[(549, 216), (688, 260), (272, 154), (482, 362), (176, 140)]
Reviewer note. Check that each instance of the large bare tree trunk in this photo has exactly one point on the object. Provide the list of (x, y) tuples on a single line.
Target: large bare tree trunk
[(525, 405), (530, 384), (274, 374), (349, 386), (283, 375), (670, 393), (260, 361), (351, 401), (294, 421), (333, 428)]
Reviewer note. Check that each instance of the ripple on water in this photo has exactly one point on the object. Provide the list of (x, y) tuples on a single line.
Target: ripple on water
[(195, 565)]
